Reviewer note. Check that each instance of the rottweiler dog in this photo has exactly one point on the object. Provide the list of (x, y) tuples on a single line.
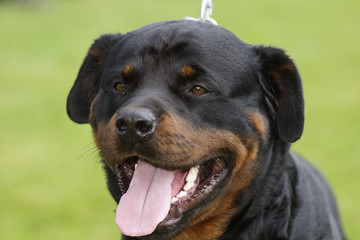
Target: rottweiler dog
[(194, 128)]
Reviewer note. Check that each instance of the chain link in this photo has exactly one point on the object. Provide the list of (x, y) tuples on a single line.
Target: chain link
[(205, 12)]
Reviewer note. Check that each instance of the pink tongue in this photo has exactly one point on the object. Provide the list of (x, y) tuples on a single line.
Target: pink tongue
[(147, 201)]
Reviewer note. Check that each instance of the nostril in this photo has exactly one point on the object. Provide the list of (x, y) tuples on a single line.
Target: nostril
[(121, 126), (144, 127)]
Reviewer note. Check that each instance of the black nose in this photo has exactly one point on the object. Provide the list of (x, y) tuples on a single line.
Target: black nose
[(136, 124)]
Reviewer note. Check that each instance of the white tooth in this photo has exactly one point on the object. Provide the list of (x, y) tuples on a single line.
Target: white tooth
[(174, 200), (188, 186), (135, 165), (181, 194), (192, 174)]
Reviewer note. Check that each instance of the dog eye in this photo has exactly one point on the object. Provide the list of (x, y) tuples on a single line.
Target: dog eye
[(198, 90), (120, 87)]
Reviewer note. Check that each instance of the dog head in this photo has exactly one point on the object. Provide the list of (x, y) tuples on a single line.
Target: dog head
[(183, 114)]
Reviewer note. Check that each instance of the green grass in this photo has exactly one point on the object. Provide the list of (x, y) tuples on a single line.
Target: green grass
[(51, 183)]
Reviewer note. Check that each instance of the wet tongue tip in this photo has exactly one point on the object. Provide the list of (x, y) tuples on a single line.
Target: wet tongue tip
[(147, 201)]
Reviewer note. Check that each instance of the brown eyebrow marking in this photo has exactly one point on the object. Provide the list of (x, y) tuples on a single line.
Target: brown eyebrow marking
[(128, 69), (187, 71)]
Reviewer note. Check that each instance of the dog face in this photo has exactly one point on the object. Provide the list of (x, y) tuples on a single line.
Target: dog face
[(183, 114)]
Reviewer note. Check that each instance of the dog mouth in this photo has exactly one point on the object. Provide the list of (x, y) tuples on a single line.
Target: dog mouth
[(155, 198)]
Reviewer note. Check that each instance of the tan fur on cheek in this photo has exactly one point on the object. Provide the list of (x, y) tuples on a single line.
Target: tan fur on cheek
[(257, 120), (106, 141), (186, 145)]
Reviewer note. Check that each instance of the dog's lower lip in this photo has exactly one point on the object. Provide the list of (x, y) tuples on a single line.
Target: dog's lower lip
[(211, 173)]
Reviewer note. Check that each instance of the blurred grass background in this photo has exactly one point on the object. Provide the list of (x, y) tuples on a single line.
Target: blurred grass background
[(51, 183)]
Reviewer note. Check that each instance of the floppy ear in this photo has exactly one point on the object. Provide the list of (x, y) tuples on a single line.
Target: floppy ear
[(281, 83), (87, 82)]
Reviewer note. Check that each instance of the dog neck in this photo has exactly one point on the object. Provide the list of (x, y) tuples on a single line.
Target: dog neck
[(269, 195)]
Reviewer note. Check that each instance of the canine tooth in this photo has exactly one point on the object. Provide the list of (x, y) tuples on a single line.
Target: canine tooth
[(135, 165), (188, 186), (174, 200), (181, 194), (192, 174)]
